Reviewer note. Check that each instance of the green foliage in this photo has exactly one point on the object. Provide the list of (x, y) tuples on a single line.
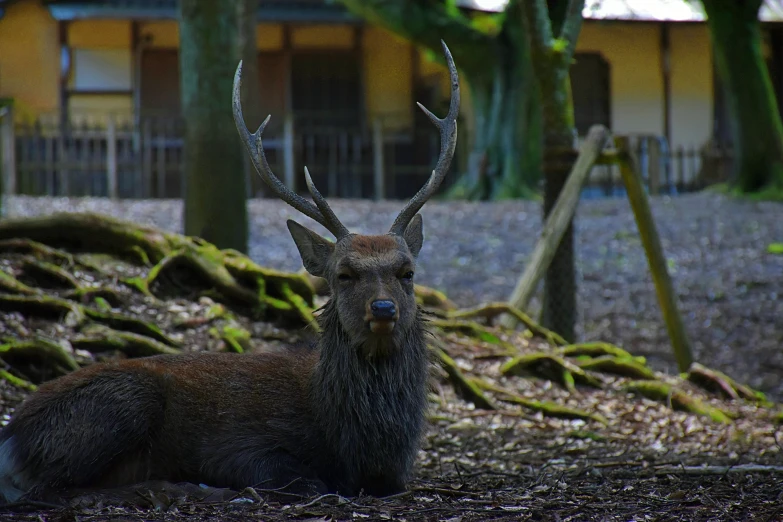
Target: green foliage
[(775, 248)]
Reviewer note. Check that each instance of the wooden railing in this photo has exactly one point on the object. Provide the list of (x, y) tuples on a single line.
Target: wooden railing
[(118, 159)]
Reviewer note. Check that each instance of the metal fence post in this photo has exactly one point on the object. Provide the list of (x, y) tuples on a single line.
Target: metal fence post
[(379, 176), (8, 151), (111, 159), (288, 152)]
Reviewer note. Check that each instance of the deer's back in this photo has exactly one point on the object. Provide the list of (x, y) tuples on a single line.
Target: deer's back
[(176, 417)]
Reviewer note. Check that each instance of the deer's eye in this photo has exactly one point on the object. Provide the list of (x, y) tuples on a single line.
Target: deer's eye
[(344, 277), (407, 276)]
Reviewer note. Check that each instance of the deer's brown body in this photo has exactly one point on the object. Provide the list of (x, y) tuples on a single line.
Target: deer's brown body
[(344, 415)]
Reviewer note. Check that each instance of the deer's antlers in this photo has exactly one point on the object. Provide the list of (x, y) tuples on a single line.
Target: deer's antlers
[(320, 211), (448, 141)]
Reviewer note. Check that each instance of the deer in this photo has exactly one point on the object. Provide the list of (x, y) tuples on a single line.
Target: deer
[(344, 414)]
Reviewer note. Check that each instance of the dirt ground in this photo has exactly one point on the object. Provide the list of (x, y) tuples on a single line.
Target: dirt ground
[(624, 457)]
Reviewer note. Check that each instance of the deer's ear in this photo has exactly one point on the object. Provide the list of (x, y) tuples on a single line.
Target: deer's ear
[(314, 249), (414, 235)]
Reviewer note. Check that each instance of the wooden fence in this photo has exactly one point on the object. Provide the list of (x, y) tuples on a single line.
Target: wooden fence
[(664, 171), (121, 160)]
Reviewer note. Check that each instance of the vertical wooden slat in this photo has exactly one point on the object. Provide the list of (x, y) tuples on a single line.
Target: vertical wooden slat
[(357, 162), (379, 176), (680, 168), (84, 171), (9, 152), (49, 162), (161, 160), (146, 173), (62, 160), (333, 189), (111, 159), (288, 151)]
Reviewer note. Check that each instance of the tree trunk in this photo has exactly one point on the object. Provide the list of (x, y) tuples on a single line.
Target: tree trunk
[(251, 79), (215, 182), (756, 125), (559, 154), (505, 159), (551, 64)]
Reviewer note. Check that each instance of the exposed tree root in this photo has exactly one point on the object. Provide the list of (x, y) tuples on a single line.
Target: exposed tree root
[(717, 382), (36, 249), (491, 311), (42, 306), (473, 330), (17, 381), (431, 298), (37, 351), (549, 409), (624, 366), (226, 272), (10, 284), (235, 338), (130, 324), (677, 399), (552, 367), (464, 387), (596, 350), (48, 273), (99, 339)]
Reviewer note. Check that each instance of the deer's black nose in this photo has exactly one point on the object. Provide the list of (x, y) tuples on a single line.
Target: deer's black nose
[(383, 309)]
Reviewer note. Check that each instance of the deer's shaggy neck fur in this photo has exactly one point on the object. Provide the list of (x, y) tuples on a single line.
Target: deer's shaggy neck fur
[(372, 408)]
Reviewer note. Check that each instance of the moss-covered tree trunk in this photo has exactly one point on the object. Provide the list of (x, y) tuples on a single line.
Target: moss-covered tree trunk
[(551, 63), (755, 120), (215, 182), (505, 158)]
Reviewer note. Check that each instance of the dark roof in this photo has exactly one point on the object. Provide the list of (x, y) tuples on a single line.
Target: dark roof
[(324, 11)]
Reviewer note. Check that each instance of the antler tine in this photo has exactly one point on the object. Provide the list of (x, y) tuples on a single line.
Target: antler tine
[(320, 212), (337, 228), (448, 141)]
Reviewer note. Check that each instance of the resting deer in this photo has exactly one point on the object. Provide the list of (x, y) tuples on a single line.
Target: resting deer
[(342, 416)]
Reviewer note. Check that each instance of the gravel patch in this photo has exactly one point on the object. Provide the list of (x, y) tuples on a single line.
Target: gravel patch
[(730, 288)]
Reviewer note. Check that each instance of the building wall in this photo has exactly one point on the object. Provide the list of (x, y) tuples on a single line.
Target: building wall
[(100, 79), (29, 58), (101, 60), (388, 70), (633, 51), (691, 84)]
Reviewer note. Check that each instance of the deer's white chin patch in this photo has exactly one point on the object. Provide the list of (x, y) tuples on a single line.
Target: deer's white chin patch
[(382, 327)]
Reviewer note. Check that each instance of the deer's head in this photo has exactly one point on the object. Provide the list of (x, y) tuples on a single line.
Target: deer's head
[(370, 276)]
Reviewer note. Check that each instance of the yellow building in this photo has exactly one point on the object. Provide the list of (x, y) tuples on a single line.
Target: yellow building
[(118, 59)]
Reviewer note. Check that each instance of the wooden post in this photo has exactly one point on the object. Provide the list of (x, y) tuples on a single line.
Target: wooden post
[(288, 151), (146, 172), (111, 159), (379, 176), (160, 142), (557, 222), (655, 257), (9, 151)]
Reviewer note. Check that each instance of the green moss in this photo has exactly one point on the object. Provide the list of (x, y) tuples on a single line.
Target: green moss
[(38, 349), (16, 381), (467, 389), (679, 400), (98, 339), (617, 365), (236, 338), (9, 283), (130, 324), (549, 366)]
